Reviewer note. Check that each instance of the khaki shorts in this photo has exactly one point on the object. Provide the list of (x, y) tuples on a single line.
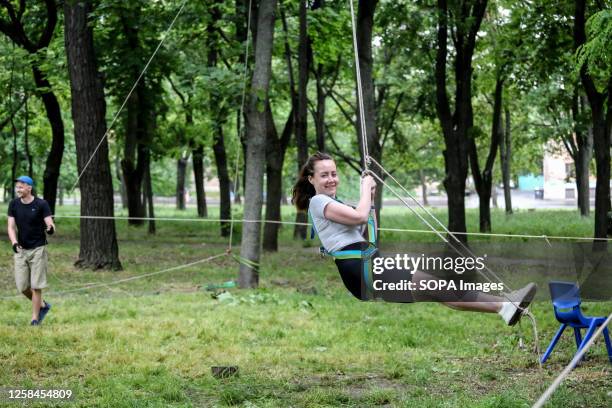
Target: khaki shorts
[(31, 268)]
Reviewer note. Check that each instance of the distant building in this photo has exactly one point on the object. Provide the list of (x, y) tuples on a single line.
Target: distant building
[(560, 174)]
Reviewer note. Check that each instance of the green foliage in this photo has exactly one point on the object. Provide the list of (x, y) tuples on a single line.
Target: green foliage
[(529, 43), (595, 53)]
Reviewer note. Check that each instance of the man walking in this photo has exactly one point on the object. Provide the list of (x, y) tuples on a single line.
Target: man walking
[(29, 217)]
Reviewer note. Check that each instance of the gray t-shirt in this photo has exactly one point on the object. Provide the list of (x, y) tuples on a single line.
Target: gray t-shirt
[(333, 235)]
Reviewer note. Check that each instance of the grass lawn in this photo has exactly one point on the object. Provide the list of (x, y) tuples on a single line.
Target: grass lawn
[(299, 340)]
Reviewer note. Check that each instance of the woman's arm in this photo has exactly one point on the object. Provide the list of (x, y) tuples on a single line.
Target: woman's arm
[(344, 214)]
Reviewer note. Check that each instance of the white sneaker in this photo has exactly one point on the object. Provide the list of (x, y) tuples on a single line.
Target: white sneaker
[(518, 300)]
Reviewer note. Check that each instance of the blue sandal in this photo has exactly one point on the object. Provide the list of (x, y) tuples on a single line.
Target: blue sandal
[(43, 312)]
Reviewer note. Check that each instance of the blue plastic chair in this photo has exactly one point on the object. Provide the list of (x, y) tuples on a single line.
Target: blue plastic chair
[(566, 303)]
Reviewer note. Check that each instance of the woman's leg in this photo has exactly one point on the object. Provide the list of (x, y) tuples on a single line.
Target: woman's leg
[(469, 301)]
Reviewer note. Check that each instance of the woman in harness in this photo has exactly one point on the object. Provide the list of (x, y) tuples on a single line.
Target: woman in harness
[(341, 229)]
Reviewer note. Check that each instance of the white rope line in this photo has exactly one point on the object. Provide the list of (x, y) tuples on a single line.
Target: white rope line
[(536, 340), (240, 117), (416, 231), (364, 140), (131, 278), (101, 217), (555, 384), (491, 234), (165, 35)]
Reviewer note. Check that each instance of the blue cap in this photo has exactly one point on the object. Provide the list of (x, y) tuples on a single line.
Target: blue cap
[(25, 179)]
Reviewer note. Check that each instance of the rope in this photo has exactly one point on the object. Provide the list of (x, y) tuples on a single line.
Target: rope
[(165, 35), (490, 234), (416, 231), (525, 311), (240, 114), (555, 384), (468, 251), (536, 340), (131, 278), (101, 217), (364, 139)]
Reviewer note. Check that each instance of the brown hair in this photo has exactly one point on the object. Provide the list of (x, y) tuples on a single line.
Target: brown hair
[(303, 191)]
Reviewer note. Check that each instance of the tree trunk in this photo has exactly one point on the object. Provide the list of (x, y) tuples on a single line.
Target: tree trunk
[(133, 162), (54, 158), (99, 247), (225, 210), (423, 186), (26, 135), (220, 115), (274, 179), (484, 180), (148, 190), (181, 169), (255, 143), (582, 155), (15, 163), (301, 120), (135, 152), (198, 173), (494, 196), (275, 158), (505, 145), (456, 125), (365, 24), (119, 176), (601, 118), (60, 193), (320, 112)]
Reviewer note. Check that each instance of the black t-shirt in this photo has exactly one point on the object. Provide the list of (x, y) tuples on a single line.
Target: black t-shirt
[(30, 220)]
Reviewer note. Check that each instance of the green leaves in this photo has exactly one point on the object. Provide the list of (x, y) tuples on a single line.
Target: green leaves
[(595, 54)]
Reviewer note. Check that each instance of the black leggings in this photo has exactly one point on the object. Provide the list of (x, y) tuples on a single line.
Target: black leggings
[(355, 274)]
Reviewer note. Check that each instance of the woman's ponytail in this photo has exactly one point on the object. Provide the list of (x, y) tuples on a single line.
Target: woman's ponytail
[(303, 191)]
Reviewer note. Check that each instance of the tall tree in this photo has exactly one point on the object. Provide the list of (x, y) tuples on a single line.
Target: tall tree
[(484, 180), (33, 43), (255, 144), (275, 159), (301, 118), (200, 179), (463, 19), (365, 27), (505, 158), (98, 248), (181, 170), (219, 113), (133, 163), (601, 118)]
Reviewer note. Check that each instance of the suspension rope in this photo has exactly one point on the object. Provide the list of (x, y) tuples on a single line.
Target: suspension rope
[(463, 247), (524, 311), (165, 35), (364, 138), (239, 130), (129, 279), (555, 384)]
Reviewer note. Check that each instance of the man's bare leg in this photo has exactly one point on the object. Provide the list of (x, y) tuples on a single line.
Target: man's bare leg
[(36, 303)]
